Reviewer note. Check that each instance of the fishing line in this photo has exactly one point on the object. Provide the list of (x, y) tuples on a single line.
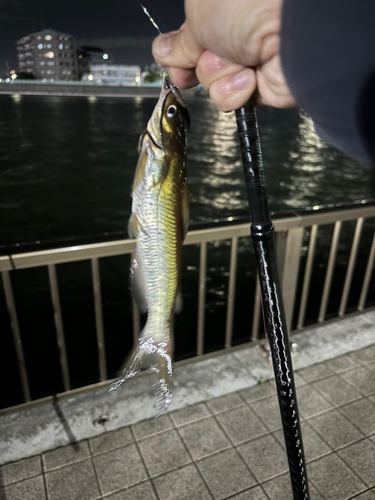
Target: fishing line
[(154, 8), (149, 16)]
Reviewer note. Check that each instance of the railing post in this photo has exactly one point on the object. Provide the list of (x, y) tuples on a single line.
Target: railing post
[(59, 325), (9, 298), (201, 298), (290, 268), (99, 318)]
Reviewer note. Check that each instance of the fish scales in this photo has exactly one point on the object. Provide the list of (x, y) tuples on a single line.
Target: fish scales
[(159, 222)]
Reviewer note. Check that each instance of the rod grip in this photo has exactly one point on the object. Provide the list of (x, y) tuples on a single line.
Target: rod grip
[(251, 152)]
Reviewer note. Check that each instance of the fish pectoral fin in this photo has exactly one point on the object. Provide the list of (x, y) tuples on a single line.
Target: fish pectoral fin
[(179, 303), (133, 226), (138, 283), (140, 141), (185, 210)]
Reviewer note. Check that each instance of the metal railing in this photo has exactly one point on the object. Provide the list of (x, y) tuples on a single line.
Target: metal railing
[(290, 229)]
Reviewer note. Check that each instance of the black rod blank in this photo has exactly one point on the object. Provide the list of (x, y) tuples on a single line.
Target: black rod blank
[(262, 233)]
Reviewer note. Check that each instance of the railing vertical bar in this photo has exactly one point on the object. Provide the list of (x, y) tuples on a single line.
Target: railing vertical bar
[(289, 275), (330, 268), (136, 322), (231, 292), (307, 277), (256, 312), (59, 325), (202, 297), (367, 279), (351, 265), (99, 318), (9, 298)]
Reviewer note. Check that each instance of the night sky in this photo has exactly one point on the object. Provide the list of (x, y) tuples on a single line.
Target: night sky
[(118, 26)]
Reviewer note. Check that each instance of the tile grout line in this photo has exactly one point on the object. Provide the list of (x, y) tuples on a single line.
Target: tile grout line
[(176, 427), (311, 426), (351, 384), (144, 464), (335, 406), (338, 407), (357, 495), (350, 467), (94, 467), (239, 454), (233, 495), (44, 476)]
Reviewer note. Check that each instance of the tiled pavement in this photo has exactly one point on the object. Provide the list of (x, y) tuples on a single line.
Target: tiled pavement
[(229, 447)]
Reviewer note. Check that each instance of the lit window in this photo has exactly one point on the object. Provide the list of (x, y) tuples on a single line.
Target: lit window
[(50, 63), (42, 72), (105, 56), (68, 72), (40, 45), (49, 71), (39, 37), (50, 55), (61, 46), (42, 63), (48, 37), (65, 38), (49, 46)]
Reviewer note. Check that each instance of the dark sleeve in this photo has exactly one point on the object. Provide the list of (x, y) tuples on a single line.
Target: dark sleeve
[(328, 58)]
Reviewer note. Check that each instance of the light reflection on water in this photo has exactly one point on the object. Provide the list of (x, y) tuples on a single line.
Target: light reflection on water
[(67, 164)]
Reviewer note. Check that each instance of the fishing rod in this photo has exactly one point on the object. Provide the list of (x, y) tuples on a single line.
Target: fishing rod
[(262, 234)]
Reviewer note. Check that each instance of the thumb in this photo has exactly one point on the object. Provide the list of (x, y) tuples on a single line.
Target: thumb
[(177, 49)]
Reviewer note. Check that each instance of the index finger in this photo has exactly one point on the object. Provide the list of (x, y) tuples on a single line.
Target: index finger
[(177, 49)]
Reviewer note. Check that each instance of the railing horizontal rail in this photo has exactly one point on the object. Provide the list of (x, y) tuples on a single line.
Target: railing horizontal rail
[(290, 227), (319, 216)]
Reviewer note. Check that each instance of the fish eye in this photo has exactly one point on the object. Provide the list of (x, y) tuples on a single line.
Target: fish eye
[(171, 111)]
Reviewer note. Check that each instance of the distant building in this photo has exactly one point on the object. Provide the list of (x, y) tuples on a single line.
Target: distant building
[(88, 56), (114, 74), (48, 55)]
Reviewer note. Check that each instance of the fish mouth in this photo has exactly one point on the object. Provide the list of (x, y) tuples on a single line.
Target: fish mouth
[(154, 124), (175, 91)]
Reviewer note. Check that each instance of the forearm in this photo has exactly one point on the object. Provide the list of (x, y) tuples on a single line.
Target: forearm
[(328, 59)]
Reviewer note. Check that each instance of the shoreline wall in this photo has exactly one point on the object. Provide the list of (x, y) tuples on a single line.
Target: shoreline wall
[(87, 90)]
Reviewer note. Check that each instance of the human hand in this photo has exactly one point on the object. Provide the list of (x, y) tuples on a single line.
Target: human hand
[(231, 47)]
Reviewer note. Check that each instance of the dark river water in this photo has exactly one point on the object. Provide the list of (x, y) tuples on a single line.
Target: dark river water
[(66, 164), (66, 169)]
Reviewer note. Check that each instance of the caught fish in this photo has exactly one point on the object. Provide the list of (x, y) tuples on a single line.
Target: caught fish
[(159, 222)]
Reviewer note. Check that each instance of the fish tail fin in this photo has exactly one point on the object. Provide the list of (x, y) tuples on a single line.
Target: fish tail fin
[(155, 357), (163, 387)]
